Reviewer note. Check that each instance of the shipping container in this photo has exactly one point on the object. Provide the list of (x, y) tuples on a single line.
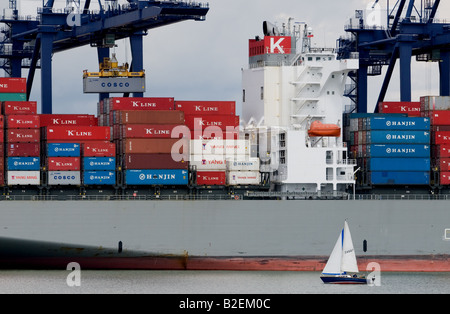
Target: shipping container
[(157, 177), (440, 117), (441, 137), (23, 163), (99, 149), (149, 117), (211, 178), (156, 146), (397, 123), (148, 131), (214, 135), (67, 120), (23, 150), (13, 85), (99, 177), (63, 163), (78, 133), (435, 103), (410, 108), (19, 107), (23, 135), (99, 163), (139, 103), (243, 178), (208, 162), (398, 137), (153, 161), (23, 177), (442, 163), (398, 164), (2, 122), (26, 121), (249, 164), (444, 178), (63, 149), (399, 177), (64, 178), (220, 147), (13, 96), (202, 108), (396, 150), (441, 151), (225, 123)]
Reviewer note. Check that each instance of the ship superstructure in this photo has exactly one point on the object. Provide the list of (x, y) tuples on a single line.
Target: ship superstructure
[(288, 88)]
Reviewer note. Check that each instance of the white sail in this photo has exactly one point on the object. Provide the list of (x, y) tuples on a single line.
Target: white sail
[(349, 263), (333, 266), (343, 257)]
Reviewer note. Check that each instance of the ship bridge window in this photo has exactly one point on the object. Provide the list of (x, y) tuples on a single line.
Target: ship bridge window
[(447, 234), (317, 58), (310, 58)]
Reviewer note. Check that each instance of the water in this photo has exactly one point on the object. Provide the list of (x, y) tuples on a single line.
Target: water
[(210, 282)]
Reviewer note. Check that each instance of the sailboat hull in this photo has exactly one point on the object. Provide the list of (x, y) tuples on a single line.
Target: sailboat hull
[(343, 280)]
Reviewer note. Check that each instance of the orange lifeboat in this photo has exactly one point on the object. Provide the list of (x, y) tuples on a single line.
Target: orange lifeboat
[(319, 129)]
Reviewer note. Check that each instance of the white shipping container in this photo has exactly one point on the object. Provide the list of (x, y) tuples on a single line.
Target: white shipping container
[(220, 147), (249, 164), (64, 178), (243, 178), (208, 162), (24, 178)]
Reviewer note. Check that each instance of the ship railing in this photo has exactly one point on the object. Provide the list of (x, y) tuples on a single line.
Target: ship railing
[(379, 197), (119, 197)]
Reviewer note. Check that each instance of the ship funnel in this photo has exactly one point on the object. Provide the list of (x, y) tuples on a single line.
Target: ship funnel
[(270, 29)]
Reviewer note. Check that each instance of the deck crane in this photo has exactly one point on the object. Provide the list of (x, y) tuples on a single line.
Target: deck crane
[(411, 31), (28, 43)]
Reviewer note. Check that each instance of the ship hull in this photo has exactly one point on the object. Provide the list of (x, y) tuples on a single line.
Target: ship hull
[(221, 235)]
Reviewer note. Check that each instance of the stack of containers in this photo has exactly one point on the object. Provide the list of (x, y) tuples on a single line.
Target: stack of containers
[(23, 147), (396, 150), (94, 172), (217, 154), (63, 156), (13, 89), (437, 109), (142, 130)]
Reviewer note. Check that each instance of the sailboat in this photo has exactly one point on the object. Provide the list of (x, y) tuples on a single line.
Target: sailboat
[(342, 267)]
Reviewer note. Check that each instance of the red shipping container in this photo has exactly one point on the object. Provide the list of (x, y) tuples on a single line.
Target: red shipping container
[(67, 120), (412, 109), (140, 103), (225, 123), (215, 135), (63, 163), (23, 149), (152, 161), (211, 177), (440, 117), (441, 137), (2, 122), (99, 149), (445, 178), (13, 85), (444, 164), (25, 121), (147, 130), (438, 128), (19, 107), (78, 133), (148, 117), (155, 146), (23, 135), (442, 151), (207, 107)]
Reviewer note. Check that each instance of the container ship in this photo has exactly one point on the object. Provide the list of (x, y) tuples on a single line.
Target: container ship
[(162, 183)]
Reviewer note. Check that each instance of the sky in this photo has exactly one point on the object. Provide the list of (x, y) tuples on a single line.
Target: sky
[(202, 60)]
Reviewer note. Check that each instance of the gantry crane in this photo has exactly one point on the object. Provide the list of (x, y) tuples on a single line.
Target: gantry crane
[(28, 43), (411, 31)]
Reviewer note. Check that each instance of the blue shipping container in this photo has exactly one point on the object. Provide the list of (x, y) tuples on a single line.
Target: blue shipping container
[(99, 163), (24, 163), (398, 150), (63, 150), (398, 164), (99, 177), (398, 123), (157, 177), (398, 137), (400, 178)]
